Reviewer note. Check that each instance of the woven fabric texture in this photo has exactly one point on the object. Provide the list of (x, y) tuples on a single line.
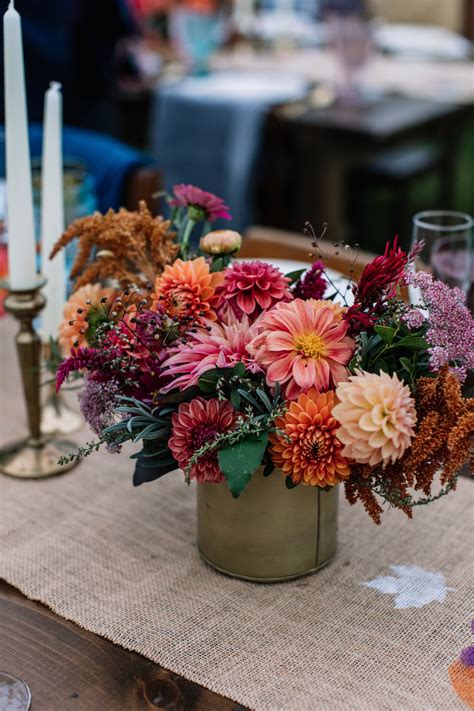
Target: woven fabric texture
[(122, 563)]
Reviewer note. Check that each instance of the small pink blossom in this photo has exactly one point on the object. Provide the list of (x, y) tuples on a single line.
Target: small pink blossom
[(450, 331), (413, 318)]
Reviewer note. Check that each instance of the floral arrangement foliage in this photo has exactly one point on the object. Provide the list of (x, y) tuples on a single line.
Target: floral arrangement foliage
[(218, 366)]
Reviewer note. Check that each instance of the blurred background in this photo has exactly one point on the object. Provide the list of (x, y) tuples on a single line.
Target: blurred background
[(347, 112)]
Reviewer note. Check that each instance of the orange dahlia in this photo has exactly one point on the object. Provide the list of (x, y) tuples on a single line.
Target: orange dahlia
[(188, 288), (73, 329), (303, 345), (305, 445)]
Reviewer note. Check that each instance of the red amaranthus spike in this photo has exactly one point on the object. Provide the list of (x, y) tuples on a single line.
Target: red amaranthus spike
[(380, 278), (80, 358)]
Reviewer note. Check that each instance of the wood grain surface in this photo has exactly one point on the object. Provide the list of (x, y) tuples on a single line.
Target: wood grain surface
[(67, 667)]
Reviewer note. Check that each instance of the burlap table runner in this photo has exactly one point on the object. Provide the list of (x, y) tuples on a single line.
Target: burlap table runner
[(122, 562)]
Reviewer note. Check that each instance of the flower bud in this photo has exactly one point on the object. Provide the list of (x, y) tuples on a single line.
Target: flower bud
[(221, 242)]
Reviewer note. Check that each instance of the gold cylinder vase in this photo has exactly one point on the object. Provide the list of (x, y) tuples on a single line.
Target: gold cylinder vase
[(270, 533)]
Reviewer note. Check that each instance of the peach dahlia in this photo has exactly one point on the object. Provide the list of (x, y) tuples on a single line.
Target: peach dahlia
[(377, 415), (306, 445), (302, 345)]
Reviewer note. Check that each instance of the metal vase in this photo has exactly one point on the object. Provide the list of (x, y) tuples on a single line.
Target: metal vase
[(270, 533)]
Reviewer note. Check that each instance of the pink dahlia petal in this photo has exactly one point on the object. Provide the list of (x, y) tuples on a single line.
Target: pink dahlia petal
[(253, 288), (212, 206), (302, 345)]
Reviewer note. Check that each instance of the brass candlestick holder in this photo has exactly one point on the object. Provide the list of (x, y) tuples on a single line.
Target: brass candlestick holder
[(37, 456)]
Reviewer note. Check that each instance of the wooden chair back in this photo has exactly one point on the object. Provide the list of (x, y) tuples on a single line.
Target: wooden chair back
[(266, 242)]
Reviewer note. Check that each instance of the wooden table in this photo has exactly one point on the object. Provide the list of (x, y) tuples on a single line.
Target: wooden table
[(309, 154), (310, 151), (67, 667)]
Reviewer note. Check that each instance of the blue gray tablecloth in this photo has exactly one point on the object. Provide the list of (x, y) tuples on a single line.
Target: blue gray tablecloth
[(207, 131)]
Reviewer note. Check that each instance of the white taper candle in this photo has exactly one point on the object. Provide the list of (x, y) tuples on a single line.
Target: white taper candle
[(52, 212), (21, 230)]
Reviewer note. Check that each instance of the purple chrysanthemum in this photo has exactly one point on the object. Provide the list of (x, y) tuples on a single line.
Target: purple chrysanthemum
[(201, 205), (450, 331), (312, 284)]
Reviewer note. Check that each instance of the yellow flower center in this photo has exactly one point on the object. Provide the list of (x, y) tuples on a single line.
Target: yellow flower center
[(311, 345)]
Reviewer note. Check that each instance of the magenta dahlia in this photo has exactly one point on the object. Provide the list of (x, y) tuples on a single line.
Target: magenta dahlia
[(201, 205), (195, 424), (222, 346), (253, 287)]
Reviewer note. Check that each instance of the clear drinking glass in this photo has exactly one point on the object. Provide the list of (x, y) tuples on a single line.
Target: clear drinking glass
[(447, 250)]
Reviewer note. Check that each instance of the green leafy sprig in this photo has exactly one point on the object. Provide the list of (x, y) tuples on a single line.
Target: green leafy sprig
[(393, 348), (242, 450)]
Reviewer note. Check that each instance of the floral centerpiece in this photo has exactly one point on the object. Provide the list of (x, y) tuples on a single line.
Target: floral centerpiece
[(226, 369)]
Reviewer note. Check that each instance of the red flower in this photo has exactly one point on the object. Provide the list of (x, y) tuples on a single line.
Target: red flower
[(377, 284), (312, 284), (380, 278)]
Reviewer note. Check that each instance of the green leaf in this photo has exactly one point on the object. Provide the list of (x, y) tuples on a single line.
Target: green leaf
[(386, 333), (249, 398), (289, 483), (217, 265), (416, 342), (383, 365), (294, 276), (406, 364), (235, 399), (265, 399), (269, 468), (239, 369), (239, 461), (145, 471)]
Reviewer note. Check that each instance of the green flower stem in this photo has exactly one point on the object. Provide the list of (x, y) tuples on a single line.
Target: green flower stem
[(185, 238)]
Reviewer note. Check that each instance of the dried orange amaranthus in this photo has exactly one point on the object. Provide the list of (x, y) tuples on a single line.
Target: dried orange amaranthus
[(130, 247), (442, 443)]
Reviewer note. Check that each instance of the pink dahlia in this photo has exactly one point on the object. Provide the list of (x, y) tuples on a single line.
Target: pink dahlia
[(303, 345), (253, 287), (224, 345), (195, 424), (201, 205)]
